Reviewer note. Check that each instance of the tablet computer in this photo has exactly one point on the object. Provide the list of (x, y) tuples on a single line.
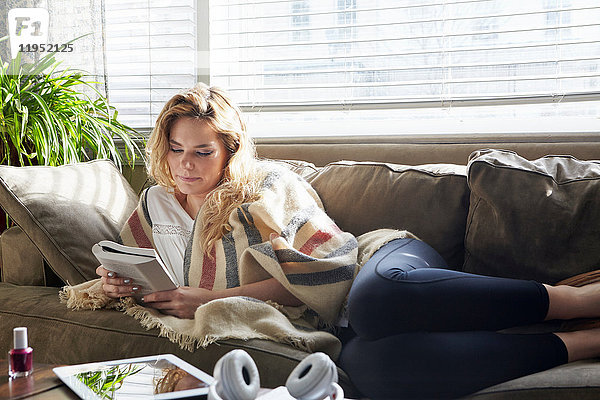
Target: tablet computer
[(164, 376)]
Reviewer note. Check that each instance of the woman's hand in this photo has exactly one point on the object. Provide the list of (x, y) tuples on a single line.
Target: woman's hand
[(115, 286), (181, 302)]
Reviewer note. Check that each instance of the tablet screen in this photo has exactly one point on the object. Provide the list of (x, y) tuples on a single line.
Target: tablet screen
[(161, 377)]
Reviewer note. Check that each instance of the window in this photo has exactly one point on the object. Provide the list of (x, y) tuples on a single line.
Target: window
[(300, 20), (150, 55), (409, 66)]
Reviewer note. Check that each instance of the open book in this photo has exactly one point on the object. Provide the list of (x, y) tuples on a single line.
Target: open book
[(144, 266)]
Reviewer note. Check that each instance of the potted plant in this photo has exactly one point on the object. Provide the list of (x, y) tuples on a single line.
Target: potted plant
[(46, 117)]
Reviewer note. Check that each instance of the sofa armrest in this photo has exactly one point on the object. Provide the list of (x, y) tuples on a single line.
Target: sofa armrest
[(21, 263)]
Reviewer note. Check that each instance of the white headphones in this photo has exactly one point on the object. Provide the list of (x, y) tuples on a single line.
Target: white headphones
[(236, 378)]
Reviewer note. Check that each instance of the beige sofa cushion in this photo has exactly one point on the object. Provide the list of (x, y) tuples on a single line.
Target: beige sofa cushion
[(431, 201), (65, 210), (577, 380), (21, 262), (532, 219), (302, 168)]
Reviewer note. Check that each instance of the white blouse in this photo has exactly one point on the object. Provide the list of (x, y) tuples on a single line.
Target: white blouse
[(171, 228)]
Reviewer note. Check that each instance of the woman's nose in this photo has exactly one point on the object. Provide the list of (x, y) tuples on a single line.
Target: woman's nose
[(186, 162)]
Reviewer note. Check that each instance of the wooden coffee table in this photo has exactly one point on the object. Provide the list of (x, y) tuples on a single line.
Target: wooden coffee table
[(41, 384)]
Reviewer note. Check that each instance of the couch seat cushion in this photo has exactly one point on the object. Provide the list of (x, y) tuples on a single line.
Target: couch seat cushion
[(62, 336), (579, 380)]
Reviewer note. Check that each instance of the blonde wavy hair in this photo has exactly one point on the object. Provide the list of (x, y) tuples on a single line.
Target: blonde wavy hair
[(239, 183)]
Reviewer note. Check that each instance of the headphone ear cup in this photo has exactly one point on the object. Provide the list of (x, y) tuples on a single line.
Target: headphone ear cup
[(236, 376), (313, 378)]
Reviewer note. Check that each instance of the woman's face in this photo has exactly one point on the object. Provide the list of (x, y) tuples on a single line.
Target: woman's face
[(196, 157)]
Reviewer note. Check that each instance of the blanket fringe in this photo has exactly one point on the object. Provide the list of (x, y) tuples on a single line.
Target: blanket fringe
[(190, 343), (298, 342), (148, 321), (86, 298)]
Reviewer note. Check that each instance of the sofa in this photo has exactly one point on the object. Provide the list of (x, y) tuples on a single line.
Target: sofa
[(497, 213)]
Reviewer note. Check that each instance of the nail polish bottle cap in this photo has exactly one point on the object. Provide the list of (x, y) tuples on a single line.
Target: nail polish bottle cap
[(20, 337)]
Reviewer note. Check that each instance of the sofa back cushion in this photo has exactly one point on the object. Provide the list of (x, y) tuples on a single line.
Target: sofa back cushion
[(302, 168), (431, 201), (532, 219), (20, 261), (65, 210)]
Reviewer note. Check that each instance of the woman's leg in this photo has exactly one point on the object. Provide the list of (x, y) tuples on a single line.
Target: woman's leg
[(400, 299), (402, 289), (445, 364)]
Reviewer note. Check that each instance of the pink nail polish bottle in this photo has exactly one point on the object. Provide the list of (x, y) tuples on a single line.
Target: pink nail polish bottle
[(20, 358)]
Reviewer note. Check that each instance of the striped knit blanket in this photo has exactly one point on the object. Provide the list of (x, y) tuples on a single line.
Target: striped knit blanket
[(313, 259)]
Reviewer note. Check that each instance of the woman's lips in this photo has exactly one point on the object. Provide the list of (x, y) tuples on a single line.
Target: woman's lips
[(187, 179)]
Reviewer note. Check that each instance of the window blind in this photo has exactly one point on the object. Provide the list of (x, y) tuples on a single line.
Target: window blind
[(150, 55), (291, 55)]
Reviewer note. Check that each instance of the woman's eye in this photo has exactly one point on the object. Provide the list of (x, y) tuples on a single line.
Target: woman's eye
[(176, 150), (204, 154)]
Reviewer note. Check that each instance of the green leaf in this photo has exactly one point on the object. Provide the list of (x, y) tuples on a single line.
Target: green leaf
[(48, 117)]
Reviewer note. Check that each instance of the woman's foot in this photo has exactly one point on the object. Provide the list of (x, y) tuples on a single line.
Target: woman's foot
[(581, 345), (568, 302)]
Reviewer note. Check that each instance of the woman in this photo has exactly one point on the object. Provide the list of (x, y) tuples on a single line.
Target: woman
[(229, 225), (198, 153), (422, 331)]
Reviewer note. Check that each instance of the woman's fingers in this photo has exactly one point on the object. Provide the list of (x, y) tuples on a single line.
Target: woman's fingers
[(161, 300), (116, 291), (179, 302), (105, 273), (112, 278), (115, 286), (278, 242), (102, 271), (118, 281)]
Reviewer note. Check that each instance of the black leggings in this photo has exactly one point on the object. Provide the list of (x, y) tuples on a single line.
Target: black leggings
[(427, 332)]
